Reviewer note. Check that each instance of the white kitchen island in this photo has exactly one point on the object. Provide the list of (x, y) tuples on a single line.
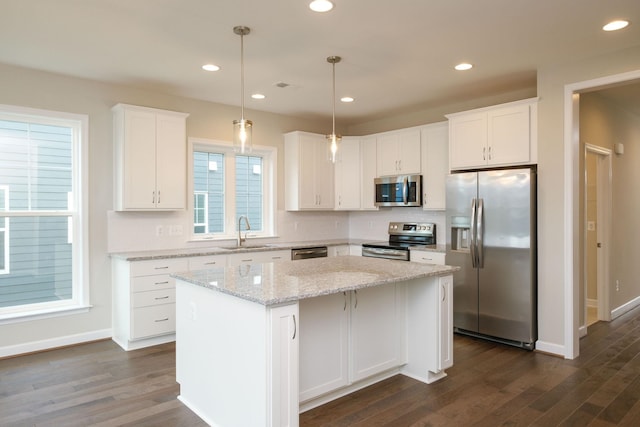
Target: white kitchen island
[(256, 344)]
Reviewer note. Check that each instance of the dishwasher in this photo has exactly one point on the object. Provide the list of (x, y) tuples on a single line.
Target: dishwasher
[(306, 253)]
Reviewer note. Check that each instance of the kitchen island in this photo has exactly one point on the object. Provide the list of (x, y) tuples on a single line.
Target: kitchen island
[(258, 343)]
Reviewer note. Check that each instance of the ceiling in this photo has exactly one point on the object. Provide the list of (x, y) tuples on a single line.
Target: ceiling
[(397, 56)]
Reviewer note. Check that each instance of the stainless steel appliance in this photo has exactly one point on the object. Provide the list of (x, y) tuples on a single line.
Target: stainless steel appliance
[(402, 190), (402, 235), (491, 235), (304, 253)]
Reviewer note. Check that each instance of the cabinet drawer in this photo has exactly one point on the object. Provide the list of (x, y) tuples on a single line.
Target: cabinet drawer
[(426, 257), (154, 320), (159, 266), (206, 262), (152, 283), (162, 296)]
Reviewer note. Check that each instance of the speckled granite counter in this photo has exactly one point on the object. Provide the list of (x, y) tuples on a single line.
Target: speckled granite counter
[(224, 250), (286, 281)]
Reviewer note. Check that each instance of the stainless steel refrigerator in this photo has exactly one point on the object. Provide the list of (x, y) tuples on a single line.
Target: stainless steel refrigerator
[(491, 235)]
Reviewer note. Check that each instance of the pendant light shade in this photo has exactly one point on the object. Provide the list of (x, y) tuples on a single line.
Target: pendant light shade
[(334, 140), (242, 128)]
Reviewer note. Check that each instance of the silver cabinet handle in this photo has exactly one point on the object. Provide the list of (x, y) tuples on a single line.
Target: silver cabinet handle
[(158, 196), (484, 153), (295, 328), (444, 293), (345, 301), (161, 320), (166, 282), (159, 298), (356, 295), (161, 268), (153, 197), (489, 153)]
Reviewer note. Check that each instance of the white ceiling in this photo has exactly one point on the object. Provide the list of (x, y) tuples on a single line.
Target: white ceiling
[(397, 55)]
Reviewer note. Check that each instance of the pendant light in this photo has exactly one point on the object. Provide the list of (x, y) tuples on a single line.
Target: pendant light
[(242, 128), (334, 139)]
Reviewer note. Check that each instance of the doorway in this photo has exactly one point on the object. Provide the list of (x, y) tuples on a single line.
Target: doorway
[(596, 236)]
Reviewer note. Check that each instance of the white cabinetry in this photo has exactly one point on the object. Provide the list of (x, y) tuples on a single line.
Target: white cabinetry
[(368, 170), (207, 261), (435, 165), (399, 152), (340, 250), (363, 326), (150, 158), (324, 344), (144, 301), (283, 338), (376, 325), (427, 257), (236, 259), (309, 173), (502, 135), (347, 175)]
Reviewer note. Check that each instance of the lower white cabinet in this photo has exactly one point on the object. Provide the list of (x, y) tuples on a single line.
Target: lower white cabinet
[(376, 325), (283, 339), (324, 344), (364, 327), (144, 301), (427, 257), (257, 257)]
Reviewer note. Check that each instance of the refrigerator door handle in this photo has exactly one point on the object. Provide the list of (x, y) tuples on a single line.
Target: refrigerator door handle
[(479, 235), (472, 246)]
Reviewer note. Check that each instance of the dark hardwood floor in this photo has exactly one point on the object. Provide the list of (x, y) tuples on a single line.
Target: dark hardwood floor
[(98, 384)]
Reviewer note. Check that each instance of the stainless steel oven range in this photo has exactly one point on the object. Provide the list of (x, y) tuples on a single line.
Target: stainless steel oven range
[(402, 235)]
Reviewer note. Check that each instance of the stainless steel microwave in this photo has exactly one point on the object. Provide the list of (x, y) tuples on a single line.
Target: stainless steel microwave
[(401, 190)]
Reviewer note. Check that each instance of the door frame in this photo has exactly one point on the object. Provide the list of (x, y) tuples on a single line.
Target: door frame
[(603, 229), (571, 204)]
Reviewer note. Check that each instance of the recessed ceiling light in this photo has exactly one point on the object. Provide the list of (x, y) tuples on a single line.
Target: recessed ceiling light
[(346, 99), (463, 67), (210, 67), (321, 5), (615, 25), (258, 96)]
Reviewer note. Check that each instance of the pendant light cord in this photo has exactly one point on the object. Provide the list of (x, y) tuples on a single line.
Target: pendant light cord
[(334, 99), (242, 76)]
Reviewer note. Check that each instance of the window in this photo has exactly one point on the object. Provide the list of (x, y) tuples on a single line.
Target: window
[(227, 185), (42, 265)]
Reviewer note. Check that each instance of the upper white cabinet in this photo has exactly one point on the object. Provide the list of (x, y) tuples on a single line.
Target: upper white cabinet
[(501, 135), (368, 171), (347, 175), (308, 183), (150, 158), (399, 152), (435, 165)]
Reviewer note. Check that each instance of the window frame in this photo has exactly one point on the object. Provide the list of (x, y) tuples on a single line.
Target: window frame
[(269, 156), (4, 227), (77, 212)]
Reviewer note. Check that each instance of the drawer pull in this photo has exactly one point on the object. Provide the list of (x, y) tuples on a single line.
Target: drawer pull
[(210, 263), (162, 320), (165, 297), (161, 268), (162, 283)]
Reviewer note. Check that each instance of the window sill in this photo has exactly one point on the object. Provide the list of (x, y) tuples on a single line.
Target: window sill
[(45, 313)]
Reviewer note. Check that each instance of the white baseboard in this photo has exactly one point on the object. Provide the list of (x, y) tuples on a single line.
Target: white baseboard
[(550, 348), (30, 347), (619, 311)]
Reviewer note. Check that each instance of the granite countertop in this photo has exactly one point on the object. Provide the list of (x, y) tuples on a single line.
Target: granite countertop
[(250, 247), (286, 281), (224, 250)]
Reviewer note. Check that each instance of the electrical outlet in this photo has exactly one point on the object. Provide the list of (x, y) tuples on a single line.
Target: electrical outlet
[(617, 286), (159, 230)]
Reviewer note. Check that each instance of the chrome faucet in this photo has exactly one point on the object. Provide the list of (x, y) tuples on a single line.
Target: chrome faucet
[(247, 227)]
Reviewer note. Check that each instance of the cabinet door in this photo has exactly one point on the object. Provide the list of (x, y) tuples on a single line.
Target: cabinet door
[(468, 140), (284, 334), (427, 257), (387, 146), (324, 175), (324, 344), (241, 258), (509, 135), (308, 150), (206, 262), (171, 162), (139, 175), (375, 331), (409, 152), (368, 168), (347, 175), (435, 166), (446, 322)]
